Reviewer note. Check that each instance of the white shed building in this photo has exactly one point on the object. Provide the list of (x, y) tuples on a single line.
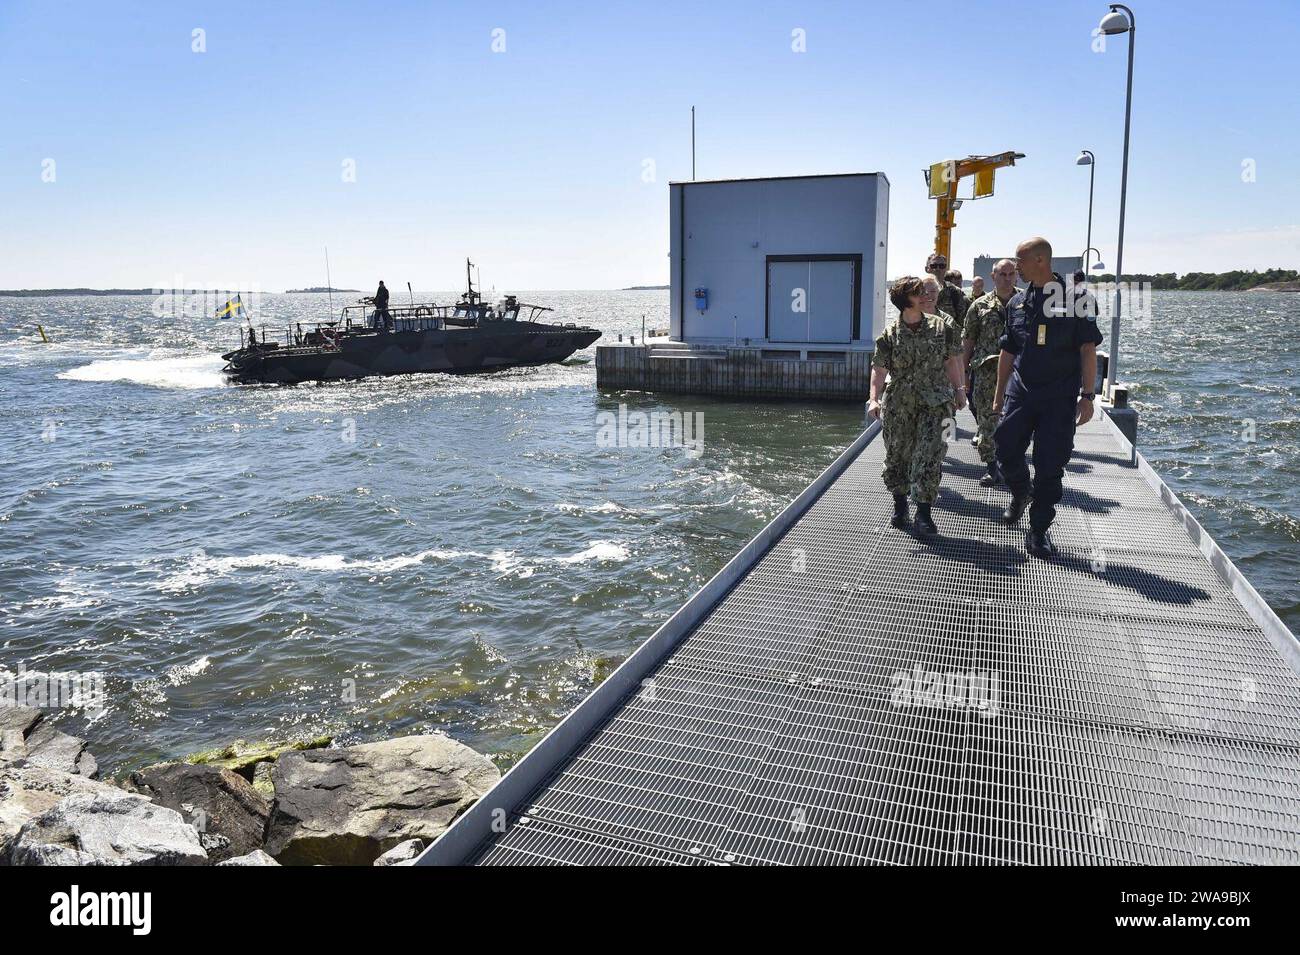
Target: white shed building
[(795, 261)]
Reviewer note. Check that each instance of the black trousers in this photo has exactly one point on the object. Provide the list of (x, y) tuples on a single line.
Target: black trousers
[(1048, 421)]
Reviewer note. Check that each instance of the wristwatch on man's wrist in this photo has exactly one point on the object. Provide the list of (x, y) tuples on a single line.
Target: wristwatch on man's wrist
[(1089, 395)]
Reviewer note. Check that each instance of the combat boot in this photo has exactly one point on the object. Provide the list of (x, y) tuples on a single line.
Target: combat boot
[(1016, 508), (994, 476), (924, 522), (1040, 545), (900, 518)]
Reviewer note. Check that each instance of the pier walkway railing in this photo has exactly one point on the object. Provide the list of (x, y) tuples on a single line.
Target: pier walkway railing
[(843, 693)]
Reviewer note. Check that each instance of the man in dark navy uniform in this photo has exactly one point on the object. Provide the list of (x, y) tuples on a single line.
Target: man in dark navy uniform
[(1046, 374), (383, 321)]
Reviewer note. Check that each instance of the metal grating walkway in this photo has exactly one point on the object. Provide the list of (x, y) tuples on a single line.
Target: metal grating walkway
[(864, 696)]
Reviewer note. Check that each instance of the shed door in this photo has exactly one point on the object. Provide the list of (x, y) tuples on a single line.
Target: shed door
[(787, 295), (830, 319), (810, 300)]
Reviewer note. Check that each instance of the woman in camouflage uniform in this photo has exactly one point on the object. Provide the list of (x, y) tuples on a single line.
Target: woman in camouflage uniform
[(920, 353)]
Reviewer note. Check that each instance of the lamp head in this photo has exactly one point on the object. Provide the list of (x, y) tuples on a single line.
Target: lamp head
[(1098, 266), (1114, 22), (1085, 159)]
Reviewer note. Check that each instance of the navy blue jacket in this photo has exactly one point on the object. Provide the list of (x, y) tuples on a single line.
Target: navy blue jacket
[(1046, 326)]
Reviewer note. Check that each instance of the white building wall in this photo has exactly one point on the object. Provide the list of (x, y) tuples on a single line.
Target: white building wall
[(723, 235)]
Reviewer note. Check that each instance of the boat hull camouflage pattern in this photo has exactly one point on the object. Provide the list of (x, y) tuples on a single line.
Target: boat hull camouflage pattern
[(486, 346)]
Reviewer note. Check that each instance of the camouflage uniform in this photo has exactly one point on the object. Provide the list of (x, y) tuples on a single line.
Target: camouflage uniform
[(985, 322), (952, 302), (918, 400)]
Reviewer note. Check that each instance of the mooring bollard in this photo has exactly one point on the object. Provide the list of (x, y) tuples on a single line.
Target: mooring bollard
[(1125, 418)]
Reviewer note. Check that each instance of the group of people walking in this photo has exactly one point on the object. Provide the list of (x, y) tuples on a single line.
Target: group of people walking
[(1030, 358)]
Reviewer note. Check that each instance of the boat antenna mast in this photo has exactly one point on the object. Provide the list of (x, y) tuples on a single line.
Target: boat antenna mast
[(329, 284), (470, 295)]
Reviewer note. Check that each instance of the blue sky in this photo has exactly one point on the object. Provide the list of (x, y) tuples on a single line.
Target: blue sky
[(226, 167)]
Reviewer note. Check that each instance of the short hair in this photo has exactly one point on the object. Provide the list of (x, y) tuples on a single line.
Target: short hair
[(1079, 275), (902, 291), (953, 276), (1036, 246)]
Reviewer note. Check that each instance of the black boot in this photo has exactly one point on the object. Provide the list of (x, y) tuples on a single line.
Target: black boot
[(1040, 545), (1017, 507), (994, 477), (900, 517), (924, 522)]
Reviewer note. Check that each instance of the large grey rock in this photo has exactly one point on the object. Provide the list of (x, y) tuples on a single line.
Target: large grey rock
[(15, 723), (228, 812), (24, 735), (256, 857), (101, 829), (349, 806), (26, 791), (55, 749), (404, 853)]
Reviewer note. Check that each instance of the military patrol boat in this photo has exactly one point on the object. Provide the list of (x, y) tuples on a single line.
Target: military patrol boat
[(365, 341)]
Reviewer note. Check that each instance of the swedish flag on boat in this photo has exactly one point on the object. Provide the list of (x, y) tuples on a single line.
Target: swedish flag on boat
[(233, 308)]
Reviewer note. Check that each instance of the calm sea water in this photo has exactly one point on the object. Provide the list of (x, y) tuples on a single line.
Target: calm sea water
[(395, 556)]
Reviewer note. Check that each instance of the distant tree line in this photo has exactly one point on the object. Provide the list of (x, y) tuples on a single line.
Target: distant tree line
[(1233, 281)]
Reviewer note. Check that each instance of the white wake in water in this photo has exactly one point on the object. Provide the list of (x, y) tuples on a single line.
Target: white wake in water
[(202, 569), (193, 371)]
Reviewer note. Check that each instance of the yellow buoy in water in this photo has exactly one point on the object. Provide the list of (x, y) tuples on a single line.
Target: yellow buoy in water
[(41, 329)]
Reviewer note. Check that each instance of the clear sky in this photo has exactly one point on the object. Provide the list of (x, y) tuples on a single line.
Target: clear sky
[(227, 167)]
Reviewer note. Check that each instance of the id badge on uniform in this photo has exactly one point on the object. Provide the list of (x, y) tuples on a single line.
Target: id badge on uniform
[(1042, 333)]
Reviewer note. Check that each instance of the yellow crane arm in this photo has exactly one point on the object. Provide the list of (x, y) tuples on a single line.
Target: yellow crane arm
[(950, 173)]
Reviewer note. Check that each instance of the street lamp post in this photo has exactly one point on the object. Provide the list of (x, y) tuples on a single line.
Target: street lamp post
[(1086, 158), (1120, 20)]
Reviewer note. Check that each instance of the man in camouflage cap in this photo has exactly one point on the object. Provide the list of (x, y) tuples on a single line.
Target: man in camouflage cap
[(952, 301), (919, 353), (986, 322)]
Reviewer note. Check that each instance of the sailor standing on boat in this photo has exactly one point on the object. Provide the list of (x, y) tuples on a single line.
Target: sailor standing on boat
[(986, 322), (919, 352), (382, 319), (1046, 373)]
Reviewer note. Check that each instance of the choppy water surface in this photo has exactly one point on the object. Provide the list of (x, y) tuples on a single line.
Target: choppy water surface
[(457, 553)]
